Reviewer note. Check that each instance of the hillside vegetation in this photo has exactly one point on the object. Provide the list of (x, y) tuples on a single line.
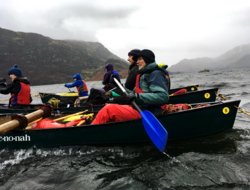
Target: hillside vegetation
[(47, 61)]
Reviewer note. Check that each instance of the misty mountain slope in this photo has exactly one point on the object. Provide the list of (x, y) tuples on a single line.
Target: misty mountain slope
[(238, 57), (47, 61)]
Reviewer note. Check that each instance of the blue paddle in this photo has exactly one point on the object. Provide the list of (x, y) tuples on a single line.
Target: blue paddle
[(153, 127)]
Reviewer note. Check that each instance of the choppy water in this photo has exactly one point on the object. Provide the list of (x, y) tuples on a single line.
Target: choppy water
[(221, 161)]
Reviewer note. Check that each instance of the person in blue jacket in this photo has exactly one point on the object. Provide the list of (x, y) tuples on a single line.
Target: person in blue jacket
[(79, 84), (106, 79)]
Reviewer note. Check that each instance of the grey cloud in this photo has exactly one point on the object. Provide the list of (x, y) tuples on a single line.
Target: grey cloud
[(89, 19), (115, 17)]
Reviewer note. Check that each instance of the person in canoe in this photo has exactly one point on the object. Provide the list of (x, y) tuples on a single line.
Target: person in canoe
[(150, 92), (19, 88), (79, 84), (130, 81), (106, 79)]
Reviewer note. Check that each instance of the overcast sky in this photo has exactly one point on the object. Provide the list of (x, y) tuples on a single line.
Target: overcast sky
[(172, 29)]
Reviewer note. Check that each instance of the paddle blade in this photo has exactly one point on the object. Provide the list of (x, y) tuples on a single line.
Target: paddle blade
[(155, 130)]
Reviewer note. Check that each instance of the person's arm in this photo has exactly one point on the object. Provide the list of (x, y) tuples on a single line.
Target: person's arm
[(157, 94), (106, 78), (76, 83), (8, 89)]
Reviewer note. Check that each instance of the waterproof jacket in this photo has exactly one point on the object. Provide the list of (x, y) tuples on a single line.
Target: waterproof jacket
[(130, 82), (106, 78), (20, 91), (154, 83), (80, 85)]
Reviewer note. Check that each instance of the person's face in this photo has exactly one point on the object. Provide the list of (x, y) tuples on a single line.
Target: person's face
[(141, 63), (12, 76), (74, 79), (130, 59)]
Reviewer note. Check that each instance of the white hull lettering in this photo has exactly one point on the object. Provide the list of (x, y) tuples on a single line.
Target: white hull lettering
[(16, 138)]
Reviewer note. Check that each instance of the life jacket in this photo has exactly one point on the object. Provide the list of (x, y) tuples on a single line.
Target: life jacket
[(82, 88), (117, 75), (137, 85), (22, 97)]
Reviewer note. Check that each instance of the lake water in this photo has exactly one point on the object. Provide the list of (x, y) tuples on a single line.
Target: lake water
[(220, 161)]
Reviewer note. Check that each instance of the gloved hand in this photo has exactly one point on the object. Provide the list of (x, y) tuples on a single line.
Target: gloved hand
[(66, 85), (131, 96), (2, 82)]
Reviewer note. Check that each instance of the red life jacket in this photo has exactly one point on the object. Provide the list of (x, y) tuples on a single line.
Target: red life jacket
[(22, 97), (82, 88), (138, 90), (137, 85)]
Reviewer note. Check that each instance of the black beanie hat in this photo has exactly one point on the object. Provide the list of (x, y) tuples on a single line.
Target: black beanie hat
[(134, 52), (147, 55)]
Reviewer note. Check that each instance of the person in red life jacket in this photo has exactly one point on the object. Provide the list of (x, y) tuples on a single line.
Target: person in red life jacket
[(162, 65), (150, 92), (79, 84), (106, 79), (19, 88)]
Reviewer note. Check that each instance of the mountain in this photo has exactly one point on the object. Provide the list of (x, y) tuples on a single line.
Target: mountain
[(47, 61), (238, 57)]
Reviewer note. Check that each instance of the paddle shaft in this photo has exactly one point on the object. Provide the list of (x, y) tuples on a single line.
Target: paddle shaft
[(15, 123), (125, 92)]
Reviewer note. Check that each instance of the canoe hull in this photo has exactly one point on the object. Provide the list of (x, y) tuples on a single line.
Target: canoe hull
[(192, 97), (180, 125), (45, 97)]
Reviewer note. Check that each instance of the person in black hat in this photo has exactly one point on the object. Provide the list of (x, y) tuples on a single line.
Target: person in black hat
[(133, 68), (150, 92), (19, 88), (132, 73)]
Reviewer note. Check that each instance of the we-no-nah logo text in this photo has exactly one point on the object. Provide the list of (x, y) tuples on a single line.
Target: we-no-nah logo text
[(15, 138)]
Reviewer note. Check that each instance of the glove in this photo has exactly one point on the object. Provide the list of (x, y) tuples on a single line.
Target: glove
[(66, 85), (2, 82), (131, 96)]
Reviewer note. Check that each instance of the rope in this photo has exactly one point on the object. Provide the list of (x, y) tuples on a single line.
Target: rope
[(195, 87), (220, 96), (242, 110)]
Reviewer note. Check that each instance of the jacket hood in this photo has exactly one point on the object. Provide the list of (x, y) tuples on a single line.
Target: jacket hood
[(109, 67), (22, 79), (150, 68), (77, 76)]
